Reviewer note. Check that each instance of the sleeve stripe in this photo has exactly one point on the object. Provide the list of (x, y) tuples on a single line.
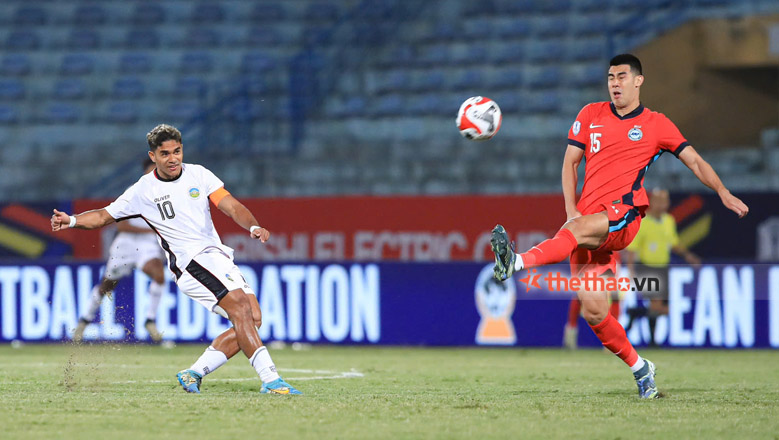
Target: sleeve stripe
[(576, 143), (681, 147)]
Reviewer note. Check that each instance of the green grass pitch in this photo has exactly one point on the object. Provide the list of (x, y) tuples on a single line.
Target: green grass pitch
[(127, 391)]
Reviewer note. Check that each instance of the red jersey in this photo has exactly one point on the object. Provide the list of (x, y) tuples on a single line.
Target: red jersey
[(618, 150)]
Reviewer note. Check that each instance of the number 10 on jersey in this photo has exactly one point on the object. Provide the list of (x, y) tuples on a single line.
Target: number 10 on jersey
[(595, 142), (166, 210)]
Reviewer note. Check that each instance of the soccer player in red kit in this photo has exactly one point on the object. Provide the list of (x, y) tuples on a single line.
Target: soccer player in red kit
[(619, 140)]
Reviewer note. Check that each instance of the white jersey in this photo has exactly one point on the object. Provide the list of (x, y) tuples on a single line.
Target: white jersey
[(177, 210)]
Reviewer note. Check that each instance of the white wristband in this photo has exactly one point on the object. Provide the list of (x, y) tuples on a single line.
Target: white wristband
[(251, 230), (72, 221)]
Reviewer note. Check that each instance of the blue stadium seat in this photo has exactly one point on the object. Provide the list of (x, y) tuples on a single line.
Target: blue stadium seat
[(243, 110), (196, 62), (478, 29), (388, 105), (545, 51), (77, 64), (273, 12), (69, 88), (61, 113), (470, 54), (254, 86), (190, 87), (434, 55), (516, 28), (551, 6), (11, 89), (469, 80), (480, 8), (429, 81), (122, 112), (426, 104), (321, 12), (26, 40), (509, 53), (148, 14), (397, 80), (587, 76), (255, 62), (83, 39), (542, 102), (135, 63), (15, 65), (514, 7), (183, 111), (208, 13), (507, 79), (128, 87), (543, 77), (8, 114), (592, 24), (145, 38), (89, 15), (442, 32), (30, 16), (264, 37), (355, 106), (586, 49), (551, 26), (201, 38), (590, 6)]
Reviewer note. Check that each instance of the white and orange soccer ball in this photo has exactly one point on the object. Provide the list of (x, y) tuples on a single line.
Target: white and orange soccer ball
[(479, 118)]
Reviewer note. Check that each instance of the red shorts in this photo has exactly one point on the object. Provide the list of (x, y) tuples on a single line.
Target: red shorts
[(624, 221)]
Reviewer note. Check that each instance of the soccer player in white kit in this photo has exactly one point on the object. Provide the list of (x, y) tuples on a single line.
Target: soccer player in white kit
[(134, 247), (174, 202)]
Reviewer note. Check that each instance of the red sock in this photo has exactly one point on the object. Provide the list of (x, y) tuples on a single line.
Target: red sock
[(614, 309), (574, 308), (613, 336), (554, 250)]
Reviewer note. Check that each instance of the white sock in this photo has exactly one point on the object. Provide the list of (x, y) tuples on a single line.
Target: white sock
[(94, 304), (638, 365), (262, 362), (518, 263), (209, 361), (155, 293)]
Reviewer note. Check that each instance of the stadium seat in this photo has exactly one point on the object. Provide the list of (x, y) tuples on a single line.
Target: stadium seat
[(208, 13), (434, 55), (243, 110), (470, 80), (585, 25), (397, 80), (11, 89), (543, 77), (83, 39), (354, 106), (388, 105), (552, 26), (508, 53), (128, 87), (426, 104), (89, 15), (510, 78), (148, 14), (135, 63), (542, 102), (429, 81), (69, 88), (145, 38), (77, 64), (199, 37), (15, 65), (545, 51), (483, 7), (30, 16), (61, 113), (273, 12), (122, 112), (263, 37), (256, 62), (478, 29), (196, 62), (8, 114), (321, 12), (18, 41), (586, 49), (190, 87), (515, 28)]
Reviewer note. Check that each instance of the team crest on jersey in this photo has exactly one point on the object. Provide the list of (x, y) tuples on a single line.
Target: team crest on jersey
[(577, 126), (635, 133), (194, 193), (227, 275)]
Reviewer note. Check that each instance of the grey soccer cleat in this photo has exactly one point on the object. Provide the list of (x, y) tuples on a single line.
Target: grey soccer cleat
[(78, 333), (645, 380), (504, 254), (154, 334)]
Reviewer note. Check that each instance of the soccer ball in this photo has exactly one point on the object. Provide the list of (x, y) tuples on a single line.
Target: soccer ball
[(479, 118)]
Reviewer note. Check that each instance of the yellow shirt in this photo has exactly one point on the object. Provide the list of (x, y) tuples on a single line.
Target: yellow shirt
[(654, 240)]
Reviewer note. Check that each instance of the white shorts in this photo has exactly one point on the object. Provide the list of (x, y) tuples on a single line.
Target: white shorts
[(130, 251), (208, 278)]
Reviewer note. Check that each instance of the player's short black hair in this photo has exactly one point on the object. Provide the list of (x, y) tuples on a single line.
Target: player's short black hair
[(146, 162), (629, 59), (162, 133)]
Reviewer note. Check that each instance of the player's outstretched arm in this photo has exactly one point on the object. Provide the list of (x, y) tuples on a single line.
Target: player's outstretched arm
[(706, 174), (97, 218), (573, 156), (241, 215)]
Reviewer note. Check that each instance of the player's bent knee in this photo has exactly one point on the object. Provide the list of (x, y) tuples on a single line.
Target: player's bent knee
[(594, 317)]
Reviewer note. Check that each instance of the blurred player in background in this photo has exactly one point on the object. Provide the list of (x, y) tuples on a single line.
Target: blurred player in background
[(653, 245), (619, 140), (174, 201), (135, 246)]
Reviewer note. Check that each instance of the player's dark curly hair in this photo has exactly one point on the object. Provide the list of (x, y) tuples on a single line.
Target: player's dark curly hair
[(630, 59), (162, 133)]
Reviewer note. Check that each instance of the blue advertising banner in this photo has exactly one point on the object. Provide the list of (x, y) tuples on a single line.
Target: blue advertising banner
[(391, 303)]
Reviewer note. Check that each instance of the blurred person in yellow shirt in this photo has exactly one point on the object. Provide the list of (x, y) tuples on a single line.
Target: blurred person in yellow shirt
[(653, 245)]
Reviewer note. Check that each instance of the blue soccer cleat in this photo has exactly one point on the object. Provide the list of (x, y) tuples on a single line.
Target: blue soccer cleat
[(190, 381), (504, 254), (278, 386), (647, 389)]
